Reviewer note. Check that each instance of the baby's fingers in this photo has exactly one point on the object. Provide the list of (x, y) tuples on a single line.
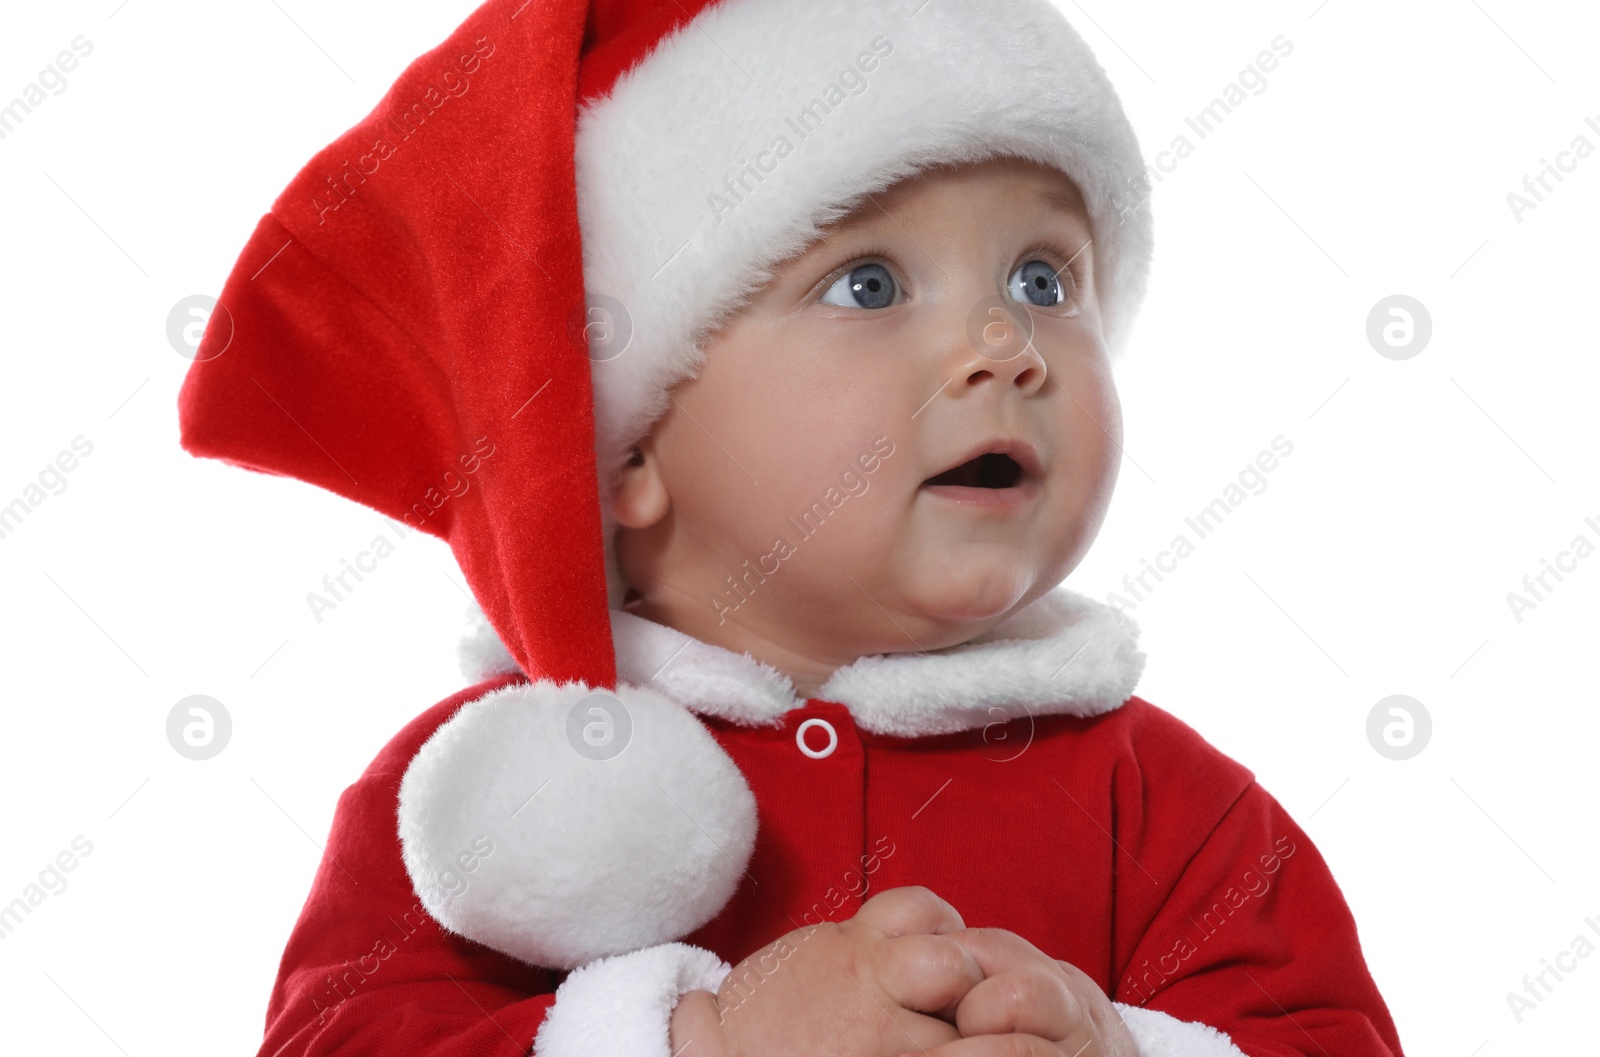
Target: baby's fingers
[(1027, 1001), (927, 974), (908, 909), (1012, 1045)]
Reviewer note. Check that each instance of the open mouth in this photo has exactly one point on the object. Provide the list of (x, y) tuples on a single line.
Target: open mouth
[(999, 475), (990, 470)]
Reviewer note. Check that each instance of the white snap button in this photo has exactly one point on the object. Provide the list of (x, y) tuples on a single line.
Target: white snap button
[(817, 754)]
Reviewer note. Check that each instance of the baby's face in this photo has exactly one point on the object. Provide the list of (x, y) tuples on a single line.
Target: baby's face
[(876, 437)]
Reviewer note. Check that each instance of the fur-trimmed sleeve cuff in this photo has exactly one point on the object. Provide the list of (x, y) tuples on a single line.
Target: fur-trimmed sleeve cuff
[(622, 1005), (1160, 1035)]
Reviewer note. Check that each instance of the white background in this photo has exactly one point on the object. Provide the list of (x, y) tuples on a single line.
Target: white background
[(1377, 561)]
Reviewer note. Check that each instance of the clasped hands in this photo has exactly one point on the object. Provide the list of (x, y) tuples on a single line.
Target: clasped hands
[(904, 976)]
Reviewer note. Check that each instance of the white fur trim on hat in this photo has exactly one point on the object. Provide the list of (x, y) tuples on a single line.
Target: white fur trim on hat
[(749, 129), (1159, 1035), (622, 1006), (518, 834)]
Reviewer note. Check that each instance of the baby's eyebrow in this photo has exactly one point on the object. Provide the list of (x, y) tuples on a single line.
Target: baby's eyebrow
[(1064, 202), (859, 215)]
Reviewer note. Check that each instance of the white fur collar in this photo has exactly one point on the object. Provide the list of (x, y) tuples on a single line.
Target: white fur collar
[(1064, 653), (567, 882)]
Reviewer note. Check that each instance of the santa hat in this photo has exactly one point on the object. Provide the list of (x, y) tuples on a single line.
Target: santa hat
[(417, 324)]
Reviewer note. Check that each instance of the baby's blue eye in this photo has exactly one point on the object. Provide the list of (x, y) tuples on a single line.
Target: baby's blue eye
[(864, 286), (1037, 283)]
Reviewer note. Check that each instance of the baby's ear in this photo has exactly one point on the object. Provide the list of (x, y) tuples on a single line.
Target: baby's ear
[(641, 498)]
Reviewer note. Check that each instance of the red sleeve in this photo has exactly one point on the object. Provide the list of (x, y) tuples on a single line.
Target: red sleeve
[(368, 971), (1254, 938)]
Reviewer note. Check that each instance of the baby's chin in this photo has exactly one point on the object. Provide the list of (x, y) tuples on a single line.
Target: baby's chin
[(959, 602)]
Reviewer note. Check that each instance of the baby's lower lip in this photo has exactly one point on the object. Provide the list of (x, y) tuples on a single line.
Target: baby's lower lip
[(997, 499)]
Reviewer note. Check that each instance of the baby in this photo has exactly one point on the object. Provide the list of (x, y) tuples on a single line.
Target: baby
[(1004, 455), (754, 358)]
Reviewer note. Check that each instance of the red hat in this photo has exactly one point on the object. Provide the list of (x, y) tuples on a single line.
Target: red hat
[(417, 324)]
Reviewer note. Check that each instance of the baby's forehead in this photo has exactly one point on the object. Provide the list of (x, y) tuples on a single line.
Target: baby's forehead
[(1034, 186)]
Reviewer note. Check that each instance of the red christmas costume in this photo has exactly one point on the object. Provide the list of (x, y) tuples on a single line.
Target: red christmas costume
[(1115, 839), (413, 300)]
